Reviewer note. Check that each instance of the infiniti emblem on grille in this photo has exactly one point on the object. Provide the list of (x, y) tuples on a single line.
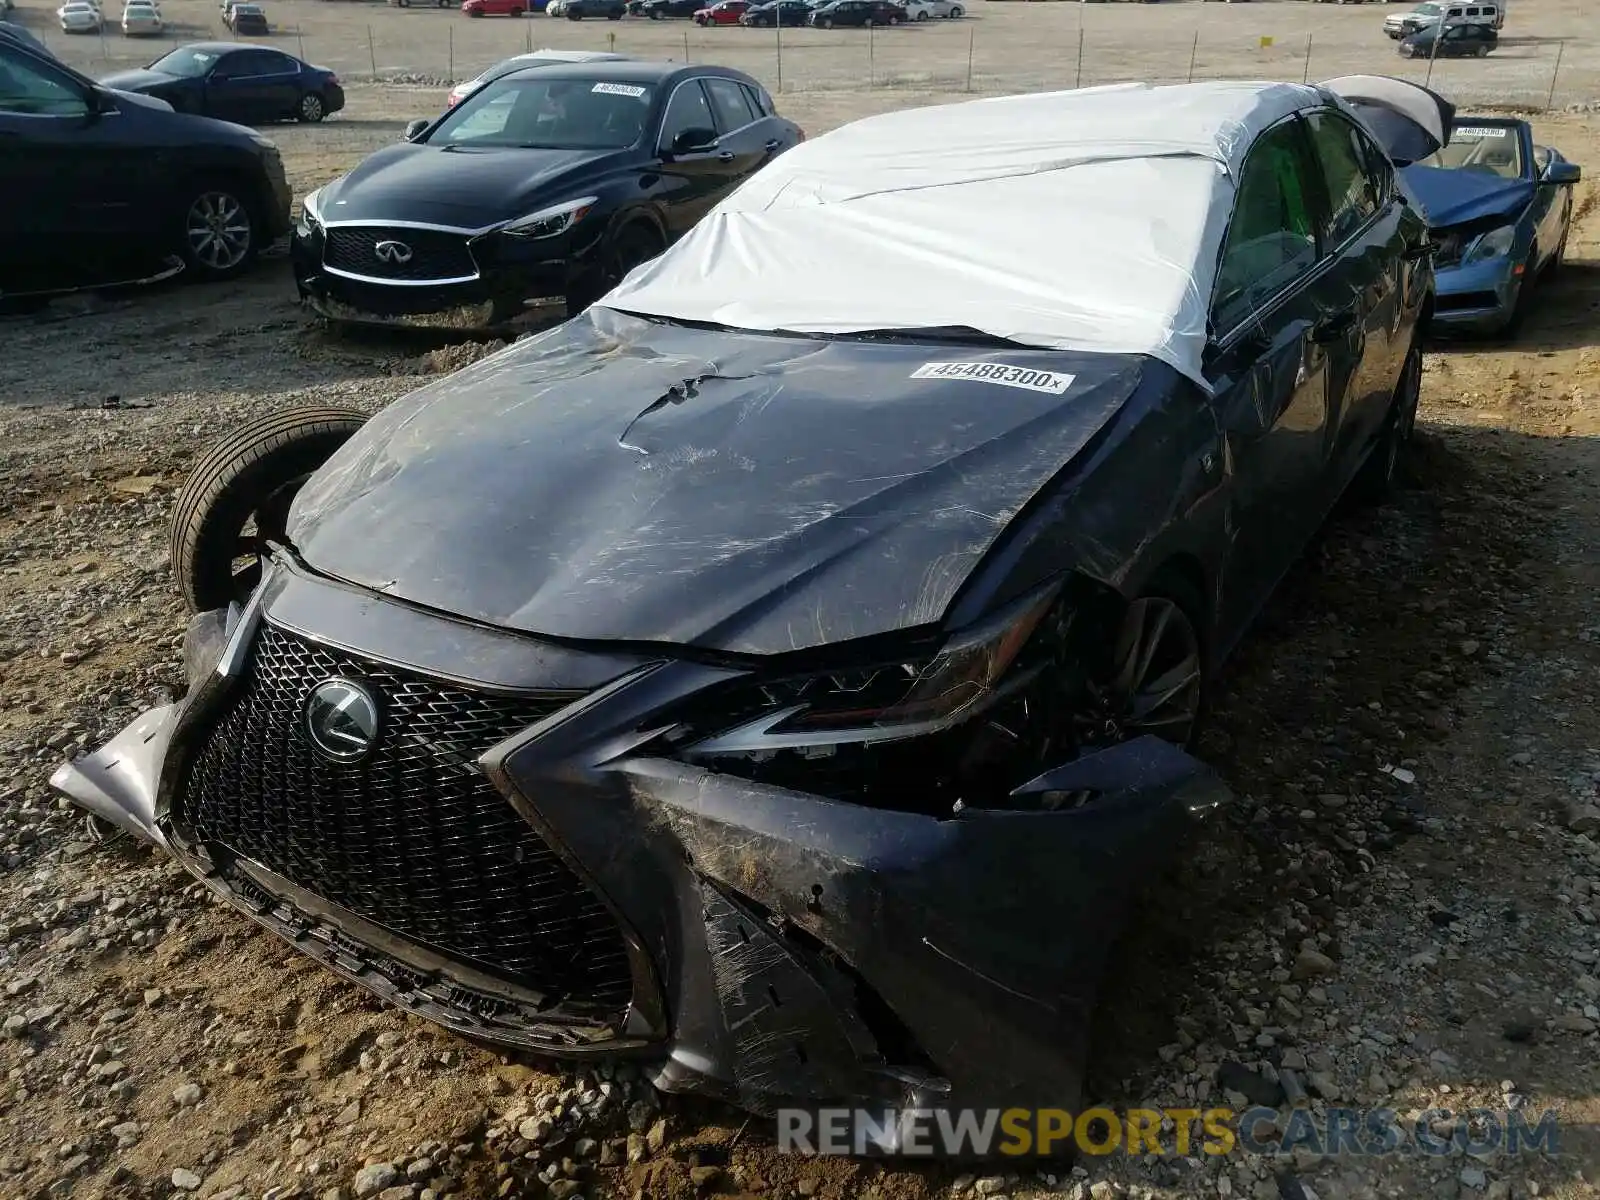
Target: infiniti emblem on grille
[(392, 252), (342, 720)]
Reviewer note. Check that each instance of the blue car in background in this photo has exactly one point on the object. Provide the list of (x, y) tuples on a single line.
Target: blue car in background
[(1500, 209)]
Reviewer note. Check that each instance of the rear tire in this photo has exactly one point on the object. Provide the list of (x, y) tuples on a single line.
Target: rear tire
[(249, 477), (217, 231), (311, 109), (1387, 462)]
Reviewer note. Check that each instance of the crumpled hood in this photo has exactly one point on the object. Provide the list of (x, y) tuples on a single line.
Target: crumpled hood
[(618, 479), (468, 188), (138, 81), (1454, 197)]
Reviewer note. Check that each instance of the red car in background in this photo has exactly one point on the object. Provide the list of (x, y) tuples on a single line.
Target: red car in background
[(724, 12), (496, 8)]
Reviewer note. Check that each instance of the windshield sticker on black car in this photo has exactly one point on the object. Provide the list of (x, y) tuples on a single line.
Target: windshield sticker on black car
[(1481, 131), (1033, 380), (619, 89)]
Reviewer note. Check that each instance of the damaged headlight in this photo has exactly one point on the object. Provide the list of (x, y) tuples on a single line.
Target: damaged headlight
[(548, 222), (891, 701), (1494, 244), (310, 214)]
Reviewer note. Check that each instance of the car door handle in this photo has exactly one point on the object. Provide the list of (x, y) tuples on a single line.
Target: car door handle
[(1331, 329), (774, 143), (725, 156)]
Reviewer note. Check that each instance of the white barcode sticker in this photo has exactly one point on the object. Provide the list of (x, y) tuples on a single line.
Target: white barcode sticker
[(1030, 378), (620, 89)]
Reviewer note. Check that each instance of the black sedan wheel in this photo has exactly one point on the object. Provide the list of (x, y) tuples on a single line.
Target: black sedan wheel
[(1387, 460), (633, 244), (311, 109), (1156, 683), (827, 22), (237, 500), (219, 238)]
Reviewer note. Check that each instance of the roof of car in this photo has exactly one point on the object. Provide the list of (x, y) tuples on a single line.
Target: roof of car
[(633, 70), (1084, 220)]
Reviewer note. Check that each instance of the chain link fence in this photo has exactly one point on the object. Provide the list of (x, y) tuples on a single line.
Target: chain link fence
[(1012, 47)]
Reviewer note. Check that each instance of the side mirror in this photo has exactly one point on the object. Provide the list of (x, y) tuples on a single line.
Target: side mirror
[(694, 141), (415, 129), (1558, 170)]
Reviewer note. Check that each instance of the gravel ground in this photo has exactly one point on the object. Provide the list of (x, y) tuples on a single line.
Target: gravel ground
[(1425, 939)]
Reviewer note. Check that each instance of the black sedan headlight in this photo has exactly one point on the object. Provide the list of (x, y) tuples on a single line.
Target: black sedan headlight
[(887, 701), (309, 219), (549, 222)]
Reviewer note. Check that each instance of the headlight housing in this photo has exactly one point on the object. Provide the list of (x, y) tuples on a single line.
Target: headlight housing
[(1494, 244), (889, 701), (310, 214), (548, 222)]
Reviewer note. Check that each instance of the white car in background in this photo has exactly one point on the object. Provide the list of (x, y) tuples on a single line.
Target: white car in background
[(79, 16), (555, 8), (142, 18), (534, 58), (922, 10)]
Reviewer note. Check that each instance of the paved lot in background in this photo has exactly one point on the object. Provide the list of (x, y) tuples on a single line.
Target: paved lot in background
[(1456, 633), (1014, 46)]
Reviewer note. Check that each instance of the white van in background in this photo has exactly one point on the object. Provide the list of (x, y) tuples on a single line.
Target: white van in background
[(1447, 12)]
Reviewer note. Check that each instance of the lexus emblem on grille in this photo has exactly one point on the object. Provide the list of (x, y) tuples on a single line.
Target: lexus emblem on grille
[(342, 720), (392, 252)]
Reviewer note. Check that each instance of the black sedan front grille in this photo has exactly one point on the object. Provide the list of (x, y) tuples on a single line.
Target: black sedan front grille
[(404, 255), (414, 837)]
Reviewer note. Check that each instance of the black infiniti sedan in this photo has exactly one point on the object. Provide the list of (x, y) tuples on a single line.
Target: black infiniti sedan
[(783, 671), (549, 182), (235, 82)]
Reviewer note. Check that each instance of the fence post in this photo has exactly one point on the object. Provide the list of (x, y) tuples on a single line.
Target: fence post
[(1433, 51), (450, 38), (872, 57), (1077, 78), (1550, 100), (527, 36), (1193, 50), (777, 29), (299, 41), (686, 44), (972, 32), (1305, 76), (372, 53)]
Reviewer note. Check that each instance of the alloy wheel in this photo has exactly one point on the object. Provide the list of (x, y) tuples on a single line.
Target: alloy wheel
[(218, 231), (1156, 678), (311, 109), (1407, 397)]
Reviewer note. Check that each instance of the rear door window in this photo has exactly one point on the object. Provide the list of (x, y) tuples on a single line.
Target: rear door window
[(731, 104), (1271, 240), (1352, 192)]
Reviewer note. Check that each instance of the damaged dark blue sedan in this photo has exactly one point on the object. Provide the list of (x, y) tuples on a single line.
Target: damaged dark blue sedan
[(782, 671), (1500, 208)]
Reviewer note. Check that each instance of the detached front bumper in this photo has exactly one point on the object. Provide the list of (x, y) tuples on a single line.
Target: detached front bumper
[(754, 943), (1476, 297)]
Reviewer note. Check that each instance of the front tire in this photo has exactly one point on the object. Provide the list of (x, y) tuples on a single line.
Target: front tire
[(631, 245), (237, 499)]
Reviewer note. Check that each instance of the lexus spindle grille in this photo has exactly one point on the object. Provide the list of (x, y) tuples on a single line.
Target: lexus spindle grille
[(404, 255), (413, 837)]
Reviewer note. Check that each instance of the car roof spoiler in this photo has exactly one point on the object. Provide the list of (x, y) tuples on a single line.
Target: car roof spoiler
[(1409, 121)]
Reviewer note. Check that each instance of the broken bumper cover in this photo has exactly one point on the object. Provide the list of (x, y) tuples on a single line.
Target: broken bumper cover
[(780, 947), (1476, 297)]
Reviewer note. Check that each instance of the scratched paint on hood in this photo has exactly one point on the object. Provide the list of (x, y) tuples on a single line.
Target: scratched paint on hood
[(623, 479)]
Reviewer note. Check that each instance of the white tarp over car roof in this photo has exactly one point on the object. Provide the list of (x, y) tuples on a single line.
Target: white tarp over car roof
[(1082, 220)]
